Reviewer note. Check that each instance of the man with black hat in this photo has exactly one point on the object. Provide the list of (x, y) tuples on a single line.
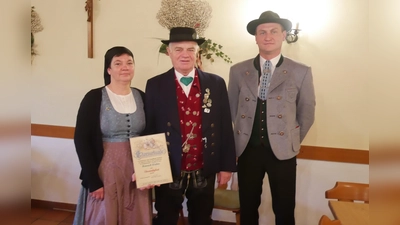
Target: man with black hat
[(192, 108), (272, 103)]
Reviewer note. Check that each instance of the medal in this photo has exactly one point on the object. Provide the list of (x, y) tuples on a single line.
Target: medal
[(186, 148)]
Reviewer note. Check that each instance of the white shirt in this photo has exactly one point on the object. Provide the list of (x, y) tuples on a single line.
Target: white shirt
[(185, 88), (122, 103)]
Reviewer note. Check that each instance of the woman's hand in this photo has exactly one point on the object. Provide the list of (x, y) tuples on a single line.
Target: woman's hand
[(150, 186), (97, 194), (133, 177)]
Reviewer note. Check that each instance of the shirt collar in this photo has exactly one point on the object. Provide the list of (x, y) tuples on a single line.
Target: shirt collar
[(179, 75), (274, 60)]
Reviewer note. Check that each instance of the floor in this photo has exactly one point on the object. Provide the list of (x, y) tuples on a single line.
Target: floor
[(41, 216)]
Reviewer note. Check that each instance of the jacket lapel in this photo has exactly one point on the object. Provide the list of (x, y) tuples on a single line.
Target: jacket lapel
[(171, 104), (251, 79), (252, 75), (204, 84), (280, 75)]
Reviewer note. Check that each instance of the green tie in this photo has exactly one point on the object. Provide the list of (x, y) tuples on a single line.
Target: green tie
[(186, 80)]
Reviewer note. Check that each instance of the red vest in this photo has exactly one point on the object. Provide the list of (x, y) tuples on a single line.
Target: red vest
[(190, 120)]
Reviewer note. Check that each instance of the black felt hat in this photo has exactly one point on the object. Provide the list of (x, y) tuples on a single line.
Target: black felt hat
[(178, 34), (268, 17)]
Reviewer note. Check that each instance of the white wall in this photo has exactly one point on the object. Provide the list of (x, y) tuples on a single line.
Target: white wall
[(333, 41)]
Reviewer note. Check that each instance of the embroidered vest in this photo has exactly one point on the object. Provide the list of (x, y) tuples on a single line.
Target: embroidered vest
[(190, 121)]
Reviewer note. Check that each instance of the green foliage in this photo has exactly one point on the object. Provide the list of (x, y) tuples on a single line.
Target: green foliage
[(209, 48)]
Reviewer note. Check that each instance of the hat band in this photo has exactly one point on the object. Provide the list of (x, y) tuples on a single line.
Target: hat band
[(183, 37)]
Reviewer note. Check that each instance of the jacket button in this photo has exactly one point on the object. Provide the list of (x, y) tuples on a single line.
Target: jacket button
[(285, 72), (213, 144), (168, 133), (281, 133), (247, 99), (212, 135), (212, 153), (279, 116), (238, 132), (212, 125), (243, 116), (279, 97), (167, 142), (169, 124)]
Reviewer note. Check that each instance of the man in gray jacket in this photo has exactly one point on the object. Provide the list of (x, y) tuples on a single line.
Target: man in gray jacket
[(272, 103)]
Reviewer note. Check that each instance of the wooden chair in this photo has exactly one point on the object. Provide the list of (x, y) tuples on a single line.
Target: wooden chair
[(349, 192), (181, 220), (326, 221), (227, 200)]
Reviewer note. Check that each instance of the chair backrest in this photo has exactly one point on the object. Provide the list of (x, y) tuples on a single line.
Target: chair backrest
[(350, 192), (326, 221), (226, 199)]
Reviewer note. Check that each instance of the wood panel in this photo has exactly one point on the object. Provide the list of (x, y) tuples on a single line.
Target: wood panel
[(52, 205), (350, 213), (306, 152), (334, 154), (52, 131)]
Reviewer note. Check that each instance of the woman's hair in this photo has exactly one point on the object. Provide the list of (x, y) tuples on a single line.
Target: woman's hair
[(110, 54)]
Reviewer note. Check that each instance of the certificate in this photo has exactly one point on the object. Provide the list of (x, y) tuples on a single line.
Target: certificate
[(150, 160)]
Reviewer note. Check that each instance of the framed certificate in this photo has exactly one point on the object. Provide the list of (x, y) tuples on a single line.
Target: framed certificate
[(150, 160)]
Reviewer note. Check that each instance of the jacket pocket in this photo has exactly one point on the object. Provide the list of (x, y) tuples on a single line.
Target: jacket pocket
[(295, 136), (291, 95)]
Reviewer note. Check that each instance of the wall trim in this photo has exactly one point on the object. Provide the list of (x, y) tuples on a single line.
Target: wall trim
[(306, 152), (35, 203), (52, 131)]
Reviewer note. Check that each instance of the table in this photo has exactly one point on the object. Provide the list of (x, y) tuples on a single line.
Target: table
[(350, 213)]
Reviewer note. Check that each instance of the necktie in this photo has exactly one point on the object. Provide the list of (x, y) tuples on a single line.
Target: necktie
[(265, 78), (186, 80)]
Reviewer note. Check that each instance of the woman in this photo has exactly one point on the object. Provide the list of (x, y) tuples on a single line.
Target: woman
[(108, 116)]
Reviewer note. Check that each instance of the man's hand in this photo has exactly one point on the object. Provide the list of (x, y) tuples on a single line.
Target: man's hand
[(97, 194), (223, 177)]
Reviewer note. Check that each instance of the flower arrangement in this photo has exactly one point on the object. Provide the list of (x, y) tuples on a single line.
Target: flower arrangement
[(190, 13), (36, 26)]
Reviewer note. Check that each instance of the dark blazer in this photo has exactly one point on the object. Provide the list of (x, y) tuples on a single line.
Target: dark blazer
[(162, 117), (88, 138)]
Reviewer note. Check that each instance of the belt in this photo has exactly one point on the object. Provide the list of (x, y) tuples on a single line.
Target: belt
[(195, 178)]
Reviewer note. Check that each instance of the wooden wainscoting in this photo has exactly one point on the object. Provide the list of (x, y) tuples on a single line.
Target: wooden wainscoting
[(306, 152)]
